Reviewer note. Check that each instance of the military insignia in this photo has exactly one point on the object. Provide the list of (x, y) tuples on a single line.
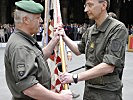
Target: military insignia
[(21, 69), (92, 45), (115, 46)]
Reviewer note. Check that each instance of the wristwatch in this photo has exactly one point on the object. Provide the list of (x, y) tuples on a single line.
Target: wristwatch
[(75, 78)]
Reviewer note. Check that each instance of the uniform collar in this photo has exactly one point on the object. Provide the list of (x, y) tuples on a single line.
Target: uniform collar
[(26, 36), (103, 27)]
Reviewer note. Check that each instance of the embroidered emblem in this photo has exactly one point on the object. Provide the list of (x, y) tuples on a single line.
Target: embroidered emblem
[(92, 45), (115, 46), (21, 69)]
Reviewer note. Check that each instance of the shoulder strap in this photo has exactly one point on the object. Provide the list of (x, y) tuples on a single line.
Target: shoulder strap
[(113, 24)]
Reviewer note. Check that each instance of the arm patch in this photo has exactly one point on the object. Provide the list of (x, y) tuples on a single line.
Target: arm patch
[(115, 46), (21, 69)]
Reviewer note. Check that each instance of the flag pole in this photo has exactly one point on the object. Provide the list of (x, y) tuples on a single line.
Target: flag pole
[(63, 59), (46, 21)]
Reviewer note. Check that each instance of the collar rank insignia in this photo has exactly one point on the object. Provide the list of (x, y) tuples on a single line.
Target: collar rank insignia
[(92, 45)]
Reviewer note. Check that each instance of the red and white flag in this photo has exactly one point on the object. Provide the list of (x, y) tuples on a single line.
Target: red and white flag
[(53, 61), (55, 58)]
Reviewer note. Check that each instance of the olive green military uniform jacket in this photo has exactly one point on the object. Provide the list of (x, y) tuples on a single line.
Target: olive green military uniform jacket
[(105, 44), (25, 65)]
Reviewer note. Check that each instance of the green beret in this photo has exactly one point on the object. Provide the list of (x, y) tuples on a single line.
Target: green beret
[(30, 6)]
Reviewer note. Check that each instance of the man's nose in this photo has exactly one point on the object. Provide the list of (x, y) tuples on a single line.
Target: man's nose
[(86, 9), (41, 21)]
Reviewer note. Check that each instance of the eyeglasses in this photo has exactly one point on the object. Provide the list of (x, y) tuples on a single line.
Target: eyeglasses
[(90, 4)]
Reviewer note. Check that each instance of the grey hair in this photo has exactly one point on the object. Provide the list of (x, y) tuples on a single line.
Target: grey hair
[(108, 3), (18, 16)]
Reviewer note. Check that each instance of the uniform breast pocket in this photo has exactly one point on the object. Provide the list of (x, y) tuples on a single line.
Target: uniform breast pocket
[(100, 49)]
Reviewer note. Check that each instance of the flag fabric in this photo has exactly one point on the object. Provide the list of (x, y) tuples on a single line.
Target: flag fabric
[(58, 23), (51, 29), (55, 58), (53, 61), (48, 7)]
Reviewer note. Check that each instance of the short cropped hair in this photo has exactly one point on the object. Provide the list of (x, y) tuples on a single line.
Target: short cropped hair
[(18, 16), (108, 3)]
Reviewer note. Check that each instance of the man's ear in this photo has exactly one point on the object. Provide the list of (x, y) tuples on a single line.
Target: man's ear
[(104, 5), (26, 20)]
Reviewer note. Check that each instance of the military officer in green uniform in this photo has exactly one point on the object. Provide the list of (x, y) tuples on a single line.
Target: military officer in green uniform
[(104, 47), (27, 73)]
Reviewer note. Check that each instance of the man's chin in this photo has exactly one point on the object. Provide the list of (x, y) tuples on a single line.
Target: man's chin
[(90, 17)]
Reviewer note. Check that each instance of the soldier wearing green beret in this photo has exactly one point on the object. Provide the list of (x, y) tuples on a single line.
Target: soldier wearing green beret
[(104, 46), (27, 73)]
